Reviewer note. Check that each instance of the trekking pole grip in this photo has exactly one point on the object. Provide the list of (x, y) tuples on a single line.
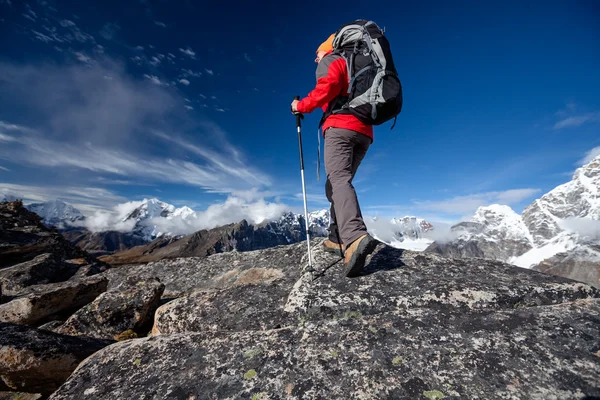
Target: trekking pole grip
[(298, 115)]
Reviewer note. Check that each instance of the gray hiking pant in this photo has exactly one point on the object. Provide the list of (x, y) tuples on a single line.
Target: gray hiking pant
[(344, 150)]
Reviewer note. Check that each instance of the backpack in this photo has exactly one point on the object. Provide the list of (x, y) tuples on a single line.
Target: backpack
[(374, 90)]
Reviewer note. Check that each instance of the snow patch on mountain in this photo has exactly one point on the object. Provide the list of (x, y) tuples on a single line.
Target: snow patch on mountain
[(57, 213)]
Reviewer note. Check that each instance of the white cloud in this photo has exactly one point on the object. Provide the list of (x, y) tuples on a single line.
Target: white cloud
[(86, 199), (583, 226), (184, 82), (113, 220), (4, 168), (42, 37), (6, 138), (188, 107), (219, 109), (154, 79), (247, 57), (188, 52), (155, 61), (209, 71), (590, 155), (95, 126), (189, 72), (577, 120), (84, 58), (233, 210), (161, 24), (463, 205)]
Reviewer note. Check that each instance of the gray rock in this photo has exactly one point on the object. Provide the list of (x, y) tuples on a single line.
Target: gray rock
[(185, 275), (51, 326), (38, 361), (532, 353), (581, 263), (45, 268), (19, 396), (38, 303), (396, 279), (130, 306)]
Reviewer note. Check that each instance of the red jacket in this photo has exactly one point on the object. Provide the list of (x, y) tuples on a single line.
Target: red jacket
[(332, 80)]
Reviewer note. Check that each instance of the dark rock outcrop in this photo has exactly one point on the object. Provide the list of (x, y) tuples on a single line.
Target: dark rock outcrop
[(23, 237), (39, 303), (99, 243), (38, 361), (130, 306), (240, 236), (414, 326)]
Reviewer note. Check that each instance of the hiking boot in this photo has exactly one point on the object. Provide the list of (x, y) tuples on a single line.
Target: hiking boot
[(333, 247), (356, 254)]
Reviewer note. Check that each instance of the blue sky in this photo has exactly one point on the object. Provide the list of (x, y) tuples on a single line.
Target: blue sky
[(104, 102)]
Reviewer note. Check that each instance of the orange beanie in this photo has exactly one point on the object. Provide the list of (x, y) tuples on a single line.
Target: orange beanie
[(327, 46)]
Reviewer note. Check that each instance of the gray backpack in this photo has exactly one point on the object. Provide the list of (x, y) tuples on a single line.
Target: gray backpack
[(374, 91)]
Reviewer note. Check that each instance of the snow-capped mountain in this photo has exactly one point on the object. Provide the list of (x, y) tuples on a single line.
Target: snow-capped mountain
[(563, 226), (57, 213), (144, 217)]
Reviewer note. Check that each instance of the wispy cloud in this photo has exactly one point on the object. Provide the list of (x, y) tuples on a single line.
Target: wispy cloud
[(188, 72), (590, 155), (247, 57), (84, 58), (4, 168), (161, 24), (188, 52), (101, 126), (154, 79), (110, 30), (577, 120), (86, 198), (184, 82), (209, 71)]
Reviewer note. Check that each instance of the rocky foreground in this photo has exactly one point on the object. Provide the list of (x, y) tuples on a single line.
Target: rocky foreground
[(254, 325)]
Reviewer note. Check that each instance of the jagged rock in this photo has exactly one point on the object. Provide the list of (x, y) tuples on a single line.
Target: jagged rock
[(531, 353), (23, 237), (38, 361), (41, 302), (130, 306)]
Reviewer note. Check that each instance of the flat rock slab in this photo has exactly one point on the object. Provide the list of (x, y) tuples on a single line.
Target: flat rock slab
[(396, 279), (38, 361), (41, 302), (130, 306), (185, 275), (537, 353)]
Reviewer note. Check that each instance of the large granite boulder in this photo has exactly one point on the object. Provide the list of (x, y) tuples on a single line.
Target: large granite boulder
[(39, 303), (130, 306), (37, 361), (415, 326)]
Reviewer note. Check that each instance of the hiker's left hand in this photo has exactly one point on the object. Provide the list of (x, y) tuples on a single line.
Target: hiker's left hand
[(295, 105)]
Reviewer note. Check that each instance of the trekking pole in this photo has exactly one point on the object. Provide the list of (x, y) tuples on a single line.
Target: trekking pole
[(299, 117)]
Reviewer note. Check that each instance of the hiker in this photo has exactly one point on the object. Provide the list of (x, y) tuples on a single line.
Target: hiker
[(347, 140)]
